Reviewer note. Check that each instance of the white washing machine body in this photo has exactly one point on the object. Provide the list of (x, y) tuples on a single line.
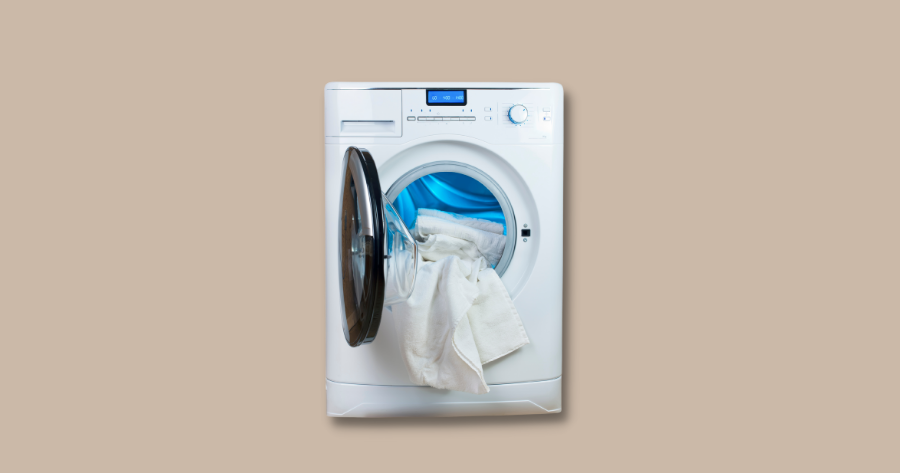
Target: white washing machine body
[(507, 135)]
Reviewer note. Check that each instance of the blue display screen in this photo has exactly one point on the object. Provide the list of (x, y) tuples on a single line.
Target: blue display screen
[(446, 97)]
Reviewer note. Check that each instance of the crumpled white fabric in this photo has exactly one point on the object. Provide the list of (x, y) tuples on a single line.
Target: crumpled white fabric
[(476, 223), (487, 236), (459, 315)]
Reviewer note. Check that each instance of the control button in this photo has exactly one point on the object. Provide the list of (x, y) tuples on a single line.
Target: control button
[(455, 119), (488, 118), (411, 119), (421, 119), (547, 118), (546, 109), (488, 109), (467, 119)]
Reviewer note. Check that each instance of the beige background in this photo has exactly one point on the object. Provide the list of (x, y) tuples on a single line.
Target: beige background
[(732, 265)]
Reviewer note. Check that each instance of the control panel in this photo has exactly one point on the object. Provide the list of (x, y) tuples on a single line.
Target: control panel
[(528, 115), (495, 115)]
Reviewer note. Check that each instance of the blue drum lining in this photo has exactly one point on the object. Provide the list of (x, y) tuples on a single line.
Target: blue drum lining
[(449, 192)]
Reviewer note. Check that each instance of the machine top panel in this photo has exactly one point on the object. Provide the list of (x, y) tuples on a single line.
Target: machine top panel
[(442, 85), (498, 113)]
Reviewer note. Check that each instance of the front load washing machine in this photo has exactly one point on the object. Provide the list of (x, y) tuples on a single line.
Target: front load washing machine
[(487, 150)]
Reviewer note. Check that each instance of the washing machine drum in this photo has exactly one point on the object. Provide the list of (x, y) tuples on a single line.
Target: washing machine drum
[(377, 253)]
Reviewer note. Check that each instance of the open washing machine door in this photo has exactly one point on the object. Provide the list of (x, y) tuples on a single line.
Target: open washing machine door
[(377, 253)]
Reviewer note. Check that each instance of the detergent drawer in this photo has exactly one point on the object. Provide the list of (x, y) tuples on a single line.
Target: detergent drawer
[(363, 113)]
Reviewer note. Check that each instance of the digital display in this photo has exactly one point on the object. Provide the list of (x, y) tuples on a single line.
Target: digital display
[(446, 97)]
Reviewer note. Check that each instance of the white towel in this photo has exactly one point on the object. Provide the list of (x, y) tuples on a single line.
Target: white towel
[(487, 236), (476, 223), (459, 315)]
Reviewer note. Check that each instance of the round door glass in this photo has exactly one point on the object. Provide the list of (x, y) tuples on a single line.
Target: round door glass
[(400, 259)]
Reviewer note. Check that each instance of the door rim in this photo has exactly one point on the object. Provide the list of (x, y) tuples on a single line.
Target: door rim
[(371, 301)]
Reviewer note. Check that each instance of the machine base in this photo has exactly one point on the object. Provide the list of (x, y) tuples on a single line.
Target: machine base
[(362, 400)]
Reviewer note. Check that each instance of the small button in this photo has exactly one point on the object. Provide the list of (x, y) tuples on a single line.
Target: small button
[(547, 119), (546, 109), (421, 119), (488, 118), (411, 119), (467, 119), (455, 119), (488, 109)]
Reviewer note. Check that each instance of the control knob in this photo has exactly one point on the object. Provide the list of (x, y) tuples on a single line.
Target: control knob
[(518, 114)]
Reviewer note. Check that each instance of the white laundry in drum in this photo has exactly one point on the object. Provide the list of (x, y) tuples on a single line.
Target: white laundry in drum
[(459, 315), (486, 236)]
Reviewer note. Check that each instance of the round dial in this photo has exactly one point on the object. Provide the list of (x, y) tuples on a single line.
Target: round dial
[(518, 113)]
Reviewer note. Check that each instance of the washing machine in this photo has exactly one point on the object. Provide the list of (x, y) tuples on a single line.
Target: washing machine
[(487, 150)]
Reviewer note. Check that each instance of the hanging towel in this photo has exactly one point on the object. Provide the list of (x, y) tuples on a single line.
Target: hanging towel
[(459, 315)]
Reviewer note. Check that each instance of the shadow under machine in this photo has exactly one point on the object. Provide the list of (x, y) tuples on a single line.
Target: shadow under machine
[(493, 151)]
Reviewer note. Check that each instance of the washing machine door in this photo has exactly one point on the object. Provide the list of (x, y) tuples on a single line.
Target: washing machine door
[(377, 253)]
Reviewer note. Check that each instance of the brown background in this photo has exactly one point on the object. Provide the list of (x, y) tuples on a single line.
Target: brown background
[(732, 265)]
